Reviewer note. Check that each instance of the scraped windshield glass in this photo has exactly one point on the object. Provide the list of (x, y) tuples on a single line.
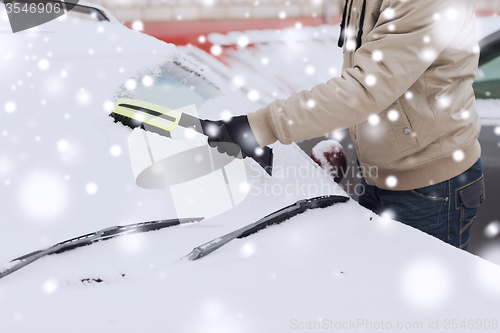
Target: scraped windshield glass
[(171, 85)]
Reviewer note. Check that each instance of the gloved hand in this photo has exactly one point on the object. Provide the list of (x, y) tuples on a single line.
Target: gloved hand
[(232, 136)]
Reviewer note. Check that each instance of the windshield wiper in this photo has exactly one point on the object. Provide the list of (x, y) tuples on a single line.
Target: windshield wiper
[(91, 238), (271, 219)]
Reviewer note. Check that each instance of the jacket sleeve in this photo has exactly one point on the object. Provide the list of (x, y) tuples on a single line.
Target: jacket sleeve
[(409, 35)]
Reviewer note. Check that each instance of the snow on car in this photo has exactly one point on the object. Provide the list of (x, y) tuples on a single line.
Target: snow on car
[(65, 170)]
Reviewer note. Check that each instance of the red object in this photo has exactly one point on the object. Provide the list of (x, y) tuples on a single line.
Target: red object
[(189, 32), (333, 159)]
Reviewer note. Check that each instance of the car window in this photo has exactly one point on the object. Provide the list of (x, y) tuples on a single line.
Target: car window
[(171, 85), (487, 83)]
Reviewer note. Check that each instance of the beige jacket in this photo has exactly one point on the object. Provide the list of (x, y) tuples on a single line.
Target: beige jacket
[(405, 93)]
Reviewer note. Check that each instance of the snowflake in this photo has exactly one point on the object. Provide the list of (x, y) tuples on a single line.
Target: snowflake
[(452, 14), (374, 120), (62, 145), (130, 84), (10, 107), (426, 283), (91, 188), (377, 56), (115, 150), (389, 13), (238, 81), (253, 95), (108, 106), (248, 249), (243, 41), (50, 286), (43, 195), (310, 70), (391, 181), (388, 214), (43, 64), (147, 81), (492, 229), (458, 155), (83, 96), (282, 15), (226, 115), (138, 25), (350, 45), (370, 80), (393, 115), (216, 50), (444, 102)]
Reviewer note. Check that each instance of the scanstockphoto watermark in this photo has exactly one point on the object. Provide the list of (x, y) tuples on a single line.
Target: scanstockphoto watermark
[(303, 189), (355, 324), (468, 324), (307, 180)]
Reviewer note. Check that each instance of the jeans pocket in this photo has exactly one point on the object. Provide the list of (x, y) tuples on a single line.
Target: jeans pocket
[(434, 192), (470, 198), (473, 195)]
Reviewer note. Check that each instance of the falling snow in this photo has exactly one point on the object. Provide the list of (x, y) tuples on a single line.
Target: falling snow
[(391, 181), (216, 50), (374, 120), (458, 155), (62, 206), (393, 115), (138, 25), (91, 188), (253, 95), (10, 107), (62, 145), (147, 81), (492, 229), (243, 41), (115, 150)]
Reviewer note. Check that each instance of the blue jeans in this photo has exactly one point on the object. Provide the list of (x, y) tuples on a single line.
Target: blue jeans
[(445, 210)]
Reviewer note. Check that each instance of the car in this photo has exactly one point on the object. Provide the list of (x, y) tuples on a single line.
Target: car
[(68, 170)]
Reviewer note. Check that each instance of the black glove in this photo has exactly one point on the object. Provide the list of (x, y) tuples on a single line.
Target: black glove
[(232, 136)]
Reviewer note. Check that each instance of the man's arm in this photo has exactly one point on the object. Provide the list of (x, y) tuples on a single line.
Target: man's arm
[(409, 35)]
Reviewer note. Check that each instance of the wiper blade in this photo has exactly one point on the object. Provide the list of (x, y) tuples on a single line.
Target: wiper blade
[(274, 218), (101, 235)]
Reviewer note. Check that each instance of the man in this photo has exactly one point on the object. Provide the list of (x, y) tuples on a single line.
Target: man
[(406, 94)]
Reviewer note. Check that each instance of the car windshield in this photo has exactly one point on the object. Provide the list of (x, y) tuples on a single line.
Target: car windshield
[(171, 85)]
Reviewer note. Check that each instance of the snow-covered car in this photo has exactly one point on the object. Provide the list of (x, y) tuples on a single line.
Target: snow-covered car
[(66, 169)]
